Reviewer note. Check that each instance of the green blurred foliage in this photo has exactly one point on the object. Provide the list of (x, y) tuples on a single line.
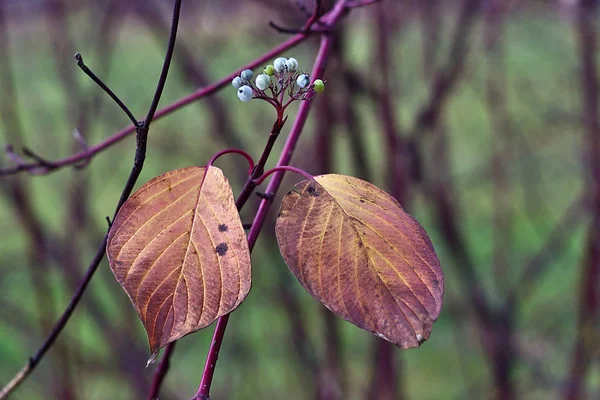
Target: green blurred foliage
[(258, 359)]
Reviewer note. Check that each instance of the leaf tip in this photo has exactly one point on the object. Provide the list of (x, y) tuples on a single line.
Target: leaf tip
[(152, 359)]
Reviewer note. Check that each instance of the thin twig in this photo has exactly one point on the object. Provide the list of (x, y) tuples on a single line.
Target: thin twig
[(166, 64), (307, 29), (292, 31), (104, 87)]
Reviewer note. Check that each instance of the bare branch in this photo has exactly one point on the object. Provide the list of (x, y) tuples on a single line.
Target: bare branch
[(104, 87)]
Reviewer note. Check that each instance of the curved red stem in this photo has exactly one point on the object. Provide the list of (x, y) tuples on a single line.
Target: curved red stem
[(264, 176), (235, 151)]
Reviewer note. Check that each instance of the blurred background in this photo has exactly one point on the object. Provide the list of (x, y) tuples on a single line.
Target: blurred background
[(479, 116)]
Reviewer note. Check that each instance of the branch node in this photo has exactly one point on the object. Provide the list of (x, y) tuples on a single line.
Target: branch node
[(41, 161), (294, 31), (265, 196)]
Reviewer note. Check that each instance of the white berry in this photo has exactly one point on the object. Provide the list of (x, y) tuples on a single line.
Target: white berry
[(292, 64), (263, 81), (279, 64), (245, 93), (302, 81), (246, 74), (237, 82)]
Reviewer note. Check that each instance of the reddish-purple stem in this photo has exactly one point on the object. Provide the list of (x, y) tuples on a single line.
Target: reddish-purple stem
[(299, 171), (235, 151), (286, 154), (290, 144), (315, 15)]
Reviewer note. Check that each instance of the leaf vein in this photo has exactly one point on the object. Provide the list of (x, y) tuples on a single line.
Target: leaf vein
[(149, 200), (150, 220), (137, 294), (149, 243), (390, 292), (319, 262), (389, 224)]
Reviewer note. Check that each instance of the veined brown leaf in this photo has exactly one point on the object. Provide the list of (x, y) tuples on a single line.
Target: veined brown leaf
[(353, 248), (179, 250)]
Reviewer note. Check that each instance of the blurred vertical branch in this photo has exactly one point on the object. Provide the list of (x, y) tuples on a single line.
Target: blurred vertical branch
[(431, 26), (447, 77), (348, 102), (501, 139), (19, 194), (495, 324), (504, 350), (587, 341), (386, 381), (330, 386), (17, 190)]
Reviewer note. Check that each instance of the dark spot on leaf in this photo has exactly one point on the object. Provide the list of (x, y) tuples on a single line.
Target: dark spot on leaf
[(223, 228), (312, 191), (360, 243), (435, 282), (221, 249), (362, 200)]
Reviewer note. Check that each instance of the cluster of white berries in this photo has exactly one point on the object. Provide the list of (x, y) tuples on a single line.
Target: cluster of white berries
[(283, 74)]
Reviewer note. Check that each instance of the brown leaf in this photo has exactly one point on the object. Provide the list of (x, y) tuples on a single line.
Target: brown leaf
[(353, 248), (179, 250)]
